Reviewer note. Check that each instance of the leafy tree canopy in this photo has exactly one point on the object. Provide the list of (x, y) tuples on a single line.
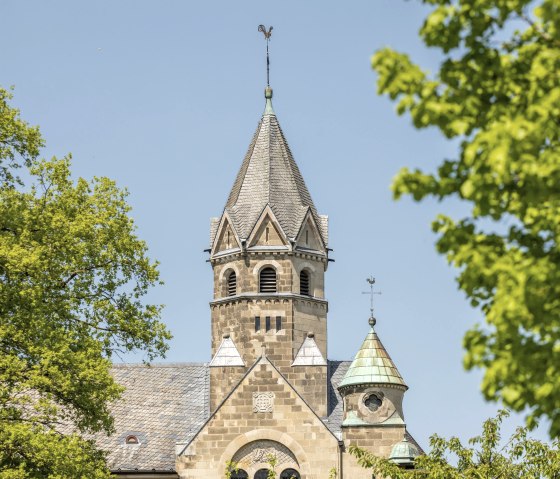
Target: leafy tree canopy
[(483, 457), (73, 274), (498, 92)]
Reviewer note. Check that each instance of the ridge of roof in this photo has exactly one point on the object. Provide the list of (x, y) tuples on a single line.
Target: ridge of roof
[(158, 365), (372, 365)]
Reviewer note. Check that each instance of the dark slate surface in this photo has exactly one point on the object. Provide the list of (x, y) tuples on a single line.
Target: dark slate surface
[(336, 371), (163, 404), (270, 176)]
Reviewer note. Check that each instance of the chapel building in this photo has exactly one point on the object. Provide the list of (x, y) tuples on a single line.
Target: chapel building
[(269, 397)]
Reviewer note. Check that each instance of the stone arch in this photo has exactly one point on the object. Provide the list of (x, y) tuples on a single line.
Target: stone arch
[(227, 267), (254, 455), (222, 278), (271, 436), (311, 271), (264, 263)]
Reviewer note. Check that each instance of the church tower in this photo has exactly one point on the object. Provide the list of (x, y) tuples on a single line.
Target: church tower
[(269, 255)]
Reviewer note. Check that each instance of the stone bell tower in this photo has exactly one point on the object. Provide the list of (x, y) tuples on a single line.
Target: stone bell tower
[(269, 255)]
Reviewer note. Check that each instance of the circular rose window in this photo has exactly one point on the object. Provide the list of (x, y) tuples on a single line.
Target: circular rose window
[(373, 402)]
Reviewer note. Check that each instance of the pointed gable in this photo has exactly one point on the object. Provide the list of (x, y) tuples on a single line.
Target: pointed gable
[(264, 395), (267, 231), (227, 354), (372, 365), (226, 238), (270, 176), (310, 236), (309, 354)]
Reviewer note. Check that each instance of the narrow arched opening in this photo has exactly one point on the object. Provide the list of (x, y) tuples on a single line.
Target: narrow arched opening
[(231, 284), (304, 283), (267, 280)]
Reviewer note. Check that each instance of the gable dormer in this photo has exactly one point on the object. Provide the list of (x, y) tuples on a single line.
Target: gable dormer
[(309, 236), (225, 238), (267, 231)]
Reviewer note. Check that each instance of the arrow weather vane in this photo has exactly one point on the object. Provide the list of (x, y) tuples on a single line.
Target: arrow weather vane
[(267, 35), (371, 292)]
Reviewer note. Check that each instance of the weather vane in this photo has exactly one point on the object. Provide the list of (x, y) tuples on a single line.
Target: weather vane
[(371, 292), (267, 35)]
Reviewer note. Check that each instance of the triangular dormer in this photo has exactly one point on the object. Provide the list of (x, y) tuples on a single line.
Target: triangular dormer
[(226, 238), (309, 353), (267, 231), (227, 355), (309, 236)]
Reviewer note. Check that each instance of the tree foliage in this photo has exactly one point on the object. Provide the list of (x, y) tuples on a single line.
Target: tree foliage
[(72, 279), (498, 92), (483, 457)]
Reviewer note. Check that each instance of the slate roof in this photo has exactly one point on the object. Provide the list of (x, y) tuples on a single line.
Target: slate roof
[(372, 365), (163, 404), (335, 371), (166, 404), (269, 175)]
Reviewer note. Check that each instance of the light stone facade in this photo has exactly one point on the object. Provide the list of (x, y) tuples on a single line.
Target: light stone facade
[(270, 389)]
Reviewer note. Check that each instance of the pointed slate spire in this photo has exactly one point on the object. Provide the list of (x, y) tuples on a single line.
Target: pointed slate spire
[(270, 176), (309, 353), (227, 354), (372, 364)]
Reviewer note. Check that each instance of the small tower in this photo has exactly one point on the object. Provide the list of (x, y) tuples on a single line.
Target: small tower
[(372, 390)]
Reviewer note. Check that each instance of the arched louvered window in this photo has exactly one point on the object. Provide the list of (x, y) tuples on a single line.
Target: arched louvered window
[(304, 283), (267, 280), (232, 284)]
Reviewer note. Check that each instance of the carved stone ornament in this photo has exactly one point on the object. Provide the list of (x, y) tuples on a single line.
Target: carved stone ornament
[(263, 402)]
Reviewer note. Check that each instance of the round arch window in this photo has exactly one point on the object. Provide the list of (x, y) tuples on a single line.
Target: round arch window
[(304, 283), (290, 474), (261, 474), (239, 474), (267, 281), (131, 440), (231, 284)]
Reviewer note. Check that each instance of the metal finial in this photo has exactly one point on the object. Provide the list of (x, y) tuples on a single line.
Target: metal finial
[(267, 35), (371, 292)]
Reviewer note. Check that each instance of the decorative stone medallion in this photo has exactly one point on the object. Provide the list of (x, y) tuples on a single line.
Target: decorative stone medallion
[(263, 402)]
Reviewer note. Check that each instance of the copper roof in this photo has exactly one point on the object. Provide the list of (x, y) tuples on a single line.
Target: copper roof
[(372, 365)]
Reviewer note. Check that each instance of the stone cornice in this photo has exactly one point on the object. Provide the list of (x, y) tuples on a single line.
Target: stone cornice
[(268, 296), (238, 255)]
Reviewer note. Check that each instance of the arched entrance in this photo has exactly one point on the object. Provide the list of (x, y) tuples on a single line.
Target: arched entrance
[(255, 457)]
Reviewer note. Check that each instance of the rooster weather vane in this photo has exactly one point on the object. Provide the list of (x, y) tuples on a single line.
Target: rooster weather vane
[(267, 35), (371, 292)]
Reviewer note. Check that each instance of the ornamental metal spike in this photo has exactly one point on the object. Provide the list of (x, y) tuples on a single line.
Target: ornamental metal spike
[(371, 292), (267, 35)]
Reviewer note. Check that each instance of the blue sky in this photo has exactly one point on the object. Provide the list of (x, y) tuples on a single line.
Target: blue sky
[(164, 97)]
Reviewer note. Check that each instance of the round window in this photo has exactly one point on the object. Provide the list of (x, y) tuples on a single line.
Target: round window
[(373, 402)]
